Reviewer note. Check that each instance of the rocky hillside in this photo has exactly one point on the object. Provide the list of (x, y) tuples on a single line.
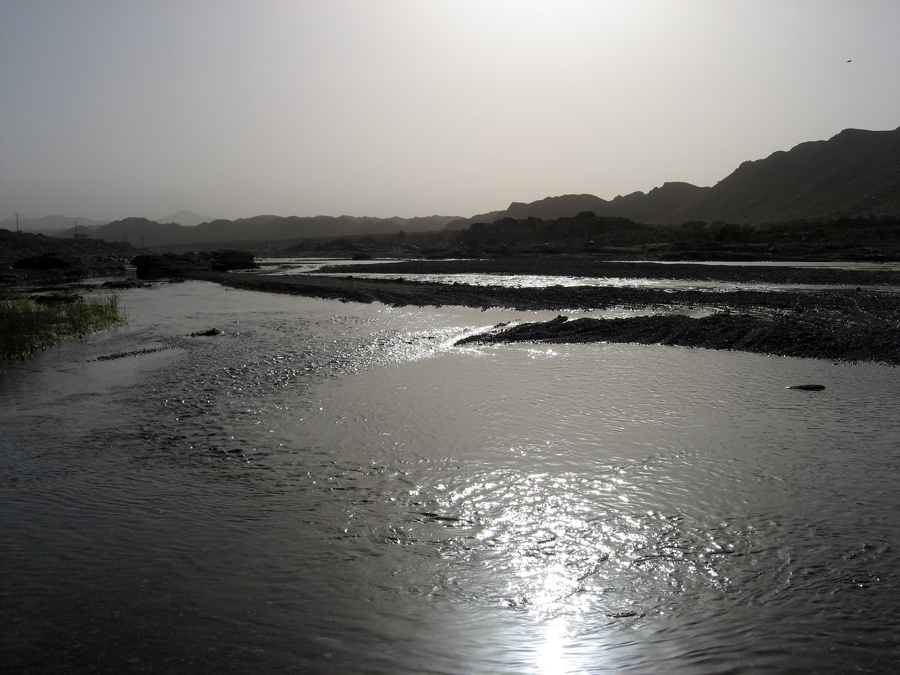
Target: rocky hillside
[(854, 174)]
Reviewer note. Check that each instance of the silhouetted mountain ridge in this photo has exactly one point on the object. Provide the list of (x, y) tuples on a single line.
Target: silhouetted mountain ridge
[(48, 224), (184, 217), (855, 173), (148, 233)]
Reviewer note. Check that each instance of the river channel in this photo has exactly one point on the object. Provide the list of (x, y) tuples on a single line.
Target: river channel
[(330, 487)]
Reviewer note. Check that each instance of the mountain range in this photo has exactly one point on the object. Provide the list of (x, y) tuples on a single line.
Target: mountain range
[(184, 217), (49, 225), (853, 174), (149, 233)]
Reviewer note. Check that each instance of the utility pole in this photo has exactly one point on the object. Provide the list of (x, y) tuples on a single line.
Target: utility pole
[(17, 223)]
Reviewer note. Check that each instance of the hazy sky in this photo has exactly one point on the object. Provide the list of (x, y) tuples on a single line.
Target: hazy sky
[(416, 107)]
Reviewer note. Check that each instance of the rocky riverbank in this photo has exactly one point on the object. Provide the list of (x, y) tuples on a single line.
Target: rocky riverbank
[(860, 321), (27, 258), (837, 339)]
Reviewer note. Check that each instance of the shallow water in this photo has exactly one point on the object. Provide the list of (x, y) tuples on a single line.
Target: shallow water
[(292, 266), (546, 281), (333, 487)]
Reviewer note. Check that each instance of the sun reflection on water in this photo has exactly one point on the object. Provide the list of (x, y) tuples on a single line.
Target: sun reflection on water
[(551, 654), (573, 558)]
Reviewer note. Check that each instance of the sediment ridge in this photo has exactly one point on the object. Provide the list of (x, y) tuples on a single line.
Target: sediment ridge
[(858, 321)]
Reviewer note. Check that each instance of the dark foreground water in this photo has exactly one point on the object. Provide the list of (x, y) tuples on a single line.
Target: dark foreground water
[(332, 487)]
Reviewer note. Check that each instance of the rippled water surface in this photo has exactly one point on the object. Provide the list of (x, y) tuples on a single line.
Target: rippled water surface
[(545, 281), (331, 487), (292, 266)]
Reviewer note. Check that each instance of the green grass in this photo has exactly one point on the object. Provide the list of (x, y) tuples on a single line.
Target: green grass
[(27, 326)]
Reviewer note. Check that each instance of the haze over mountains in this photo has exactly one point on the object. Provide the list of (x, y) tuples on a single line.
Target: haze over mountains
[(53, 224), (855, 173), (186, 218), (144, 232)]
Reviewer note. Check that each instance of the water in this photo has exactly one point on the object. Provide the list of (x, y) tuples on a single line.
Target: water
[(293, 266), (545, 281), (288, 266), (333, 487)]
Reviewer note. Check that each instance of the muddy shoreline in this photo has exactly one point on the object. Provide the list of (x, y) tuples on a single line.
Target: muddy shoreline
[(858, 322)]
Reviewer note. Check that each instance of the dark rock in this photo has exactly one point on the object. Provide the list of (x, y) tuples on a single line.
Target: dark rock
[(625, 614), (128, 283)]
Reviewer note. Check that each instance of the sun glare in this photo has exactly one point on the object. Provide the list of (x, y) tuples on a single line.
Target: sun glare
[(551, 657)]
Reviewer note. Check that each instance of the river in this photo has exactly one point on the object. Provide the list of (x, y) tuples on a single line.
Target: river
[(334, 487)]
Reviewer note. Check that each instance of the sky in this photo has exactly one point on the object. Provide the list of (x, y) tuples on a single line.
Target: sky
[(231, 109)]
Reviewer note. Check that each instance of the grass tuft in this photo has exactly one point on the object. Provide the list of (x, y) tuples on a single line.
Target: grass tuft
[(27, 326)]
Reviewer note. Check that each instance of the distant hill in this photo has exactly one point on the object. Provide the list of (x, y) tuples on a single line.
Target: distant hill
[(552, 208), (658, 205), (186, 218), (149, 233), (853, 174), (48, 224), (423, 223)]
